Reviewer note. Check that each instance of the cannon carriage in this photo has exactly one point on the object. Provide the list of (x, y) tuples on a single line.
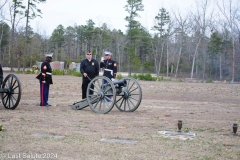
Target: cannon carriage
[(10, 90), (103, 95)]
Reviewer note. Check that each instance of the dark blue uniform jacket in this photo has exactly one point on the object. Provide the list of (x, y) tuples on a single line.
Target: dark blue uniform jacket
[(110, 68), (46, 73)]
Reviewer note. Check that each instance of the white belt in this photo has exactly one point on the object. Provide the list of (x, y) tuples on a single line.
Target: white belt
[(48, 73), (109, 71)]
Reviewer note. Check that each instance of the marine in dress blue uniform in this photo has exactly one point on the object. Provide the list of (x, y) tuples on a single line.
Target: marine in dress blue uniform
[(109, 66), (89, 68), (110, 69), (45, 79)]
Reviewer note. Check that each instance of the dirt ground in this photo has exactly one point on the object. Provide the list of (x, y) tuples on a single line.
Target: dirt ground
[(59, 132)]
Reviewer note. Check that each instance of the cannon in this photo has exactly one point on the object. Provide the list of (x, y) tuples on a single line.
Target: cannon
[(10, 91), (103, 94)]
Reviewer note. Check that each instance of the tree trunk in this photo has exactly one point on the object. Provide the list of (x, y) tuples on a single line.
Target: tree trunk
[(233, 60), (155, 59), (179, 57), (119, 59), (1, 43), (204, 65), (220, 66), (160, 60), (194, 57), (26, 37), (167, 60)]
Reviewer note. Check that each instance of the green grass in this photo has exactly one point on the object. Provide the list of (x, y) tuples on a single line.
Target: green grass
[(55, 72), (149, 77)]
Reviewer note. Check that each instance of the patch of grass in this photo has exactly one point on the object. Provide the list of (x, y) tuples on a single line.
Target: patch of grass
[(207, 158), (209, 80), (58, 72), (46, 138), (199, 130), (29, 72), (180, 80), (1, 128), (119, 76), (146, 77), (73, 72), (19, 72), (165, 138), (149, 77), (164, 79), (212, 130), (186, 130)]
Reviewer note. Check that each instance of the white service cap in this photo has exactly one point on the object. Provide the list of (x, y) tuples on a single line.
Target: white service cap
[(49, 55), (107, 53)]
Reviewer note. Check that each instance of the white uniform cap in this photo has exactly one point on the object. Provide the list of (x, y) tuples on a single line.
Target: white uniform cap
[(107, 53), (49, 55)]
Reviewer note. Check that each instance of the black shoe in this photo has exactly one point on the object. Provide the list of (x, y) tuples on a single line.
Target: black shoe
[(48, 105)]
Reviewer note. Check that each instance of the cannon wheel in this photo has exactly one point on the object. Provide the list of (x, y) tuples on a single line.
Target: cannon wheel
[(131, 96), (103, 98), (11, 98)]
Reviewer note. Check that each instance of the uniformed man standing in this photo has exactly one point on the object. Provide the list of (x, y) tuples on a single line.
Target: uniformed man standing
[(89, 68), (109, 66), (45, 79)]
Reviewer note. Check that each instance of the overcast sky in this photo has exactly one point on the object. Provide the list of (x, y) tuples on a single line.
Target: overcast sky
[(111, 12)]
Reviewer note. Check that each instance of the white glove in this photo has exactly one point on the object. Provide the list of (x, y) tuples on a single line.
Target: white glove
[(112, 79), (102, 59)]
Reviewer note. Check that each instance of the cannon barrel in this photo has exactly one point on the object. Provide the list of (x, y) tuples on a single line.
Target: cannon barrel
[(120, 83)]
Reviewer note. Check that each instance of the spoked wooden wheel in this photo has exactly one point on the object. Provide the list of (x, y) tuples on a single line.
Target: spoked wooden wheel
[(130, 97), (11, 92), (103, 95)]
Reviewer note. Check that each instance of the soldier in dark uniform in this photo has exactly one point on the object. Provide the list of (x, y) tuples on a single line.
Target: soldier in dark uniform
[(45, 79), (89, 68), (110, 69), (109, 66)]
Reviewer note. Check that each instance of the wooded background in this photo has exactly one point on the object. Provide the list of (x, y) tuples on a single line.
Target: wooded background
[(202, 44)]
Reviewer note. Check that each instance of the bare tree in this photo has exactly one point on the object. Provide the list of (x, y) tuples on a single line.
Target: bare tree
[(199, 27), (121, 42), (31, 12), (3, 4), (16, 15), (132, 7), (170, 33), (182, 25), (2, 23), (230, 10), (161, 26)]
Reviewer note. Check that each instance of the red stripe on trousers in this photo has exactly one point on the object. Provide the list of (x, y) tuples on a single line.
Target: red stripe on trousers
[(42, 94)]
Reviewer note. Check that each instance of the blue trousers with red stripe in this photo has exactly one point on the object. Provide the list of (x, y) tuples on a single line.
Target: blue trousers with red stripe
[(44, 92)]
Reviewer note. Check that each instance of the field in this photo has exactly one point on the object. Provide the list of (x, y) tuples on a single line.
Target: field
[(59, 132)]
